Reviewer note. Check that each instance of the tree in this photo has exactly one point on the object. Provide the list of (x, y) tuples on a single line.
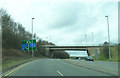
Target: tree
[(60, 54), (13, 33)]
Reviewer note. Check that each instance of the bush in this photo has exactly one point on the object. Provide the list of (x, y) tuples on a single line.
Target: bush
[(61, 55)]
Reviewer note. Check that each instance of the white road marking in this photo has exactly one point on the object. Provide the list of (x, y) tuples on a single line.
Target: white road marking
[(60, 73)]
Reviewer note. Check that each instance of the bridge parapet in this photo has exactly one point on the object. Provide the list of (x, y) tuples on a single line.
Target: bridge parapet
[(54, 46)]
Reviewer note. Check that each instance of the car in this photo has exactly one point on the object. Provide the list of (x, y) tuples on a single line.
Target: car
[(89, 58), (79, 58)]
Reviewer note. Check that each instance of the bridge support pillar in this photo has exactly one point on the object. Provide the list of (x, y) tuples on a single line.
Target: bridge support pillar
[(88, 51), (47, 52)]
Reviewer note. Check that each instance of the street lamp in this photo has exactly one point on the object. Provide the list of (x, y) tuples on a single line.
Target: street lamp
[(86, 41), (86, 46), (46, 39), (32, 38), (108, 38), (46, 46), (92, 39)]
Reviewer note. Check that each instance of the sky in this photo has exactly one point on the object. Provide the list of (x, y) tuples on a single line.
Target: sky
[(77, 53), (66, 22)]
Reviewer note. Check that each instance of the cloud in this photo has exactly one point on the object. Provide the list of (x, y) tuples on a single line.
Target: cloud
[(66, 22), (60, 16)]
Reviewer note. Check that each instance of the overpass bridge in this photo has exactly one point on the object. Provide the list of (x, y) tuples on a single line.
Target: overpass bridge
[(75, 48)]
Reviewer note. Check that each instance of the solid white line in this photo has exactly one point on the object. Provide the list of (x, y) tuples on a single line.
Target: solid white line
[(60, 73)]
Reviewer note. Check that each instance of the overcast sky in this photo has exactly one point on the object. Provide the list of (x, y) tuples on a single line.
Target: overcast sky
[(77, 53), (65, 22)]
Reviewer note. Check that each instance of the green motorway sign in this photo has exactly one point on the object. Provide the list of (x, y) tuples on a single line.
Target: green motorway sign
[(27, 45)]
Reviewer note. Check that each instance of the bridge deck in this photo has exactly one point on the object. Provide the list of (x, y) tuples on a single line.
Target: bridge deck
[(53, 46)]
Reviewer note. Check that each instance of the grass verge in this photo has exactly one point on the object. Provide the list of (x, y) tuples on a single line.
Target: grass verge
[(15, 62), (114, 55)]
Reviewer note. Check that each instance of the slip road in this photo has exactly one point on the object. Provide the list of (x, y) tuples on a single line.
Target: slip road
[(52, 67)]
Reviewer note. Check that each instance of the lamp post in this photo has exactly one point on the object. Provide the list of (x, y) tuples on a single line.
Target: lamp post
[(108, 38), (92, 39), (32, 38), (46, 47), (86, 46), (86, 41)]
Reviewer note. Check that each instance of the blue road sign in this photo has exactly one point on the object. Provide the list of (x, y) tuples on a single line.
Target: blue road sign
[(96, 54), (27, 45)]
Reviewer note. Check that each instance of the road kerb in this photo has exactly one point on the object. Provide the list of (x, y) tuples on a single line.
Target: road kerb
[(17, 68)]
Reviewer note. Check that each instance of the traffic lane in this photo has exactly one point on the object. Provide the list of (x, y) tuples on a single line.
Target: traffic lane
[(113, 65), (72, 70), (54, 67), (103, 66), (37, 68)]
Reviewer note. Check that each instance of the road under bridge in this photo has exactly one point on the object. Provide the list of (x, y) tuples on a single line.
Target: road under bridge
[(73, 48)]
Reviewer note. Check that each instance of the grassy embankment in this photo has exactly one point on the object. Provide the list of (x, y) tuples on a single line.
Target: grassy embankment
[(114, 55), (12, 58)]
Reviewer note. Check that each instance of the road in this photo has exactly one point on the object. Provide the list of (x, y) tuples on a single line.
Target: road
[(52, 67), (102, 66)]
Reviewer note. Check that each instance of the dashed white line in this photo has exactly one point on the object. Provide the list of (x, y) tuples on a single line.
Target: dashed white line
[(60, 73)]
